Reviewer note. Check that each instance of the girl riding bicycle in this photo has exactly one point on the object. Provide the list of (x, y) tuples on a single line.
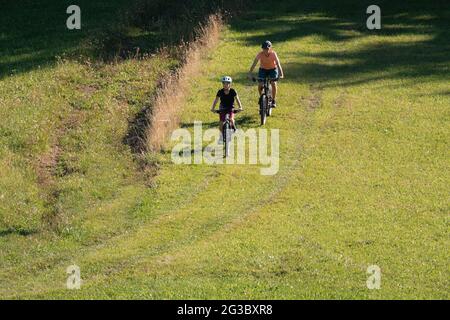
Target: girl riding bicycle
[(270, 66), (227, 97)]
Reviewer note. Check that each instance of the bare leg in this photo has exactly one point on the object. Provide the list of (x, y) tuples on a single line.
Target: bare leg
[(221, 127), (274, 89), (232, 123), (260, 88)]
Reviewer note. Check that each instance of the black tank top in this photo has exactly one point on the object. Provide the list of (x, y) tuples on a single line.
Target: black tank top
[(226, 100)]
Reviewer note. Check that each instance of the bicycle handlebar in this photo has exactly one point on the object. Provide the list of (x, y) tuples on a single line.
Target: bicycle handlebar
[(276, 79), (222, 111)]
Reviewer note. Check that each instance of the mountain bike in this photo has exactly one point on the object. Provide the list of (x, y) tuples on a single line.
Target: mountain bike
[(227, 130), (265, 100)]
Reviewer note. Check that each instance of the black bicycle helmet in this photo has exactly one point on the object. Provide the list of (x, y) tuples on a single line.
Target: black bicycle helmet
[(266, 44)]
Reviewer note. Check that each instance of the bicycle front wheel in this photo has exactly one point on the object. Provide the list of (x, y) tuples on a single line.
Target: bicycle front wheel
[(226, 139), (269, 107), (263, 109)]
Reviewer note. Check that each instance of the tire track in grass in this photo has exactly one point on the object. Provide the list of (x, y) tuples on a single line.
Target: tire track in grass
[(183, 230), (210, 228), (188, 225), (56, 274), (179, 231), (282, 184), (147, 266), (168, 219), (249, 218)]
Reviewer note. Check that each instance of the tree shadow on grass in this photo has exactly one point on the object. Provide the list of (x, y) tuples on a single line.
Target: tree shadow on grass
[(390, 57), (7, 232), (33, 33)]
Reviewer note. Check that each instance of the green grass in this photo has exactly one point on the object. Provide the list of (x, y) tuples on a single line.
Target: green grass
[(363, 118)]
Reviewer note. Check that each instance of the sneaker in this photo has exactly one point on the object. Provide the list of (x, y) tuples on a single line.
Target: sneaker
[(274, 104)]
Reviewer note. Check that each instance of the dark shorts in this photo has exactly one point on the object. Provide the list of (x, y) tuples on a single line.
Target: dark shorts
[(272, 74), (223, 113)]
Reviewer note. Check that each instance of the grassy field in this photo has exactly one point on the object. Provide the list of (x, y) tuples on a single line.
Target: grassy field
[(363, 180)]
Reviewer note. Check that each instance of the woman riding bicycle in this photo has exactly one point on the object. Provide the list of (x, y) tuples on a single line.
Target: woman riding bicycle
[(270, 66), (227, 97)]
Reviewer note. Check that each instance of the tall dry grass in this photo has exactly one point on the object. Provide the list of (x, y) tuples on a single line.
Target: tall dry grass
[(168, 101)]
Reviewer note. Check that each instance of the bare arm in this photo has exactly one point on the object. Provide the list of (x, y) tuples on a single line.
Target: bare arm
[(239, 102), (279, 67), (214, 104), (255, 62)]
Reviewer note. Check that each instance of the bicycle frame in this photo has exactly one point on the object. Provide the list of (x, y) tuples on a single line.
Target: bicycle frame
[(226, 133), (266, 89), (265, 108)]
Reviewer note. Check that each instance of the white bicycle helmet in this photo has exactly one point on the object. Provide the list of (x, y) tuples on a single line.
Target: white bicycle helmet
[(227, 79)]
